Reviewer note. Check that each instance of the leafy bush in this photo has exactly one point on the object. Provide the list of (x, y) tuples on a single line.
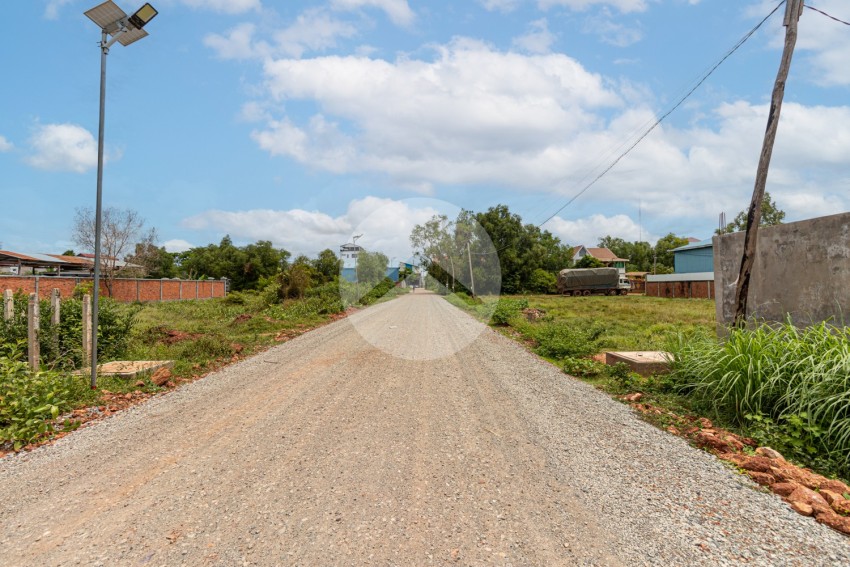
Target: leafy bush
[(542, 281), (507, 309), (28, 401), (777, 373), (583, 367), (562, 340), (377, 292)]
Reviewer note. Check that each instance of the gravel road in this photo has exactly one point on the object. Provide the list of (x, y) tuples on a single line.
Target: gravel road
[(355, 445)]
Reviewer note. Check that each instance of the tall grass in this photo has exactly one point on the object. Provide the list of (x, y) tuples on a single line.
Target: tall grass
[(782, 374)]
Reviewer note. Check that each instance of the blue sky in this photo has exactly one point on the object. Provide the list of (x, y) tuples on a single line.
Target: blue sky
[(306, 122)]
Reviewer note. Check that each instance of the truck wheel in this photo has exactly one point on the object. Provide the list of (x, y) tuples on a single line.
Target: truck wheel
[(586, 292)]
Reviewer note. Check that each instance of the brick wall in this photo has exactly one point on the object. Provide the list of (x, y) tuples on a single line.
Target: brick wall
[(681, 290), (125, 290)]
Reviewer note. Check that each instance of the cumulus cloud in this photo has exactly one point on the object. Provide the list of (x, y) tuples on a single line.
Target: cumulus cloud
[(588, 231), (177, 245), (385, 224), (398, 11), (538, 39), (312, 30), (63, 147), (470, 115), (5, 145), (500, 5), (225, 6)]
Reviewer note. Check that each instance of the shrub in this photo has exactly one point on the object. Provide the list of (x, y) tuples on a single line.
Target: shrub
[(507, 309), (28, 401), (777, 373), (583, 367), (542, 281), (562, 340)]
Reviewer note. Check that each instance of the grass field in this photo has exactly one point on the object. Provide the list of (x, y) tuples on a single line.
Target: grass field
[(632, 322)]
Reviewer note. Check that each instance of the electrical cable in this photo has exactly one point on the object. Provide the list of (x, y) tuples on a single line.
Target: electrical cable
[(827, 15), (666, 114)]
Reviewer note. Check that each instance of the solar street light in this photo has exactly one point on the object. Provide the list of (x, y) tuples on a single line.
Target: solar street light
[(124, 29)]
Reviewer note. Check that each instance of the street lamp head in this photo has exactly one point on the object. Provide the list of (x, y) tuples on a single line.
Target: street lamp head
[(123, 29), (143, 15)]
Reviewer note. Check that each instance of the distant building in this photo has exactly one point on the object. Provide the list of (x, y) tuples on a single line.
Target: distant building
[(608, 258), (693, 276), (349, 252), (696, 257)]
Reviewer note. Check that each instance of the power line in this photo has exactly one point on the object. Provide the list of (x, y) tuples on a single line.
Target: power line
[(666, 114), (827, 15)]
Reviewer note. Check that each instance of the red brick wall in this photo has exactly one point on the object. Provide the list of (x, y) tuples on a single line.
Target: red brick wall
[(125, 290), (681, 290)]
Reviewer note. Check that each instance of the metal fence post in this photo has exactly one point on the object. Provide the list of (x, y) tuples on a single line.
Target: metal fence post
[(86, 330)]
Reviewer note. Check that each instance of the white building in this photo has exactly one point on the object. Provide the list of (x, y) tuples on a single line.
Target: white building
[(348, 253)]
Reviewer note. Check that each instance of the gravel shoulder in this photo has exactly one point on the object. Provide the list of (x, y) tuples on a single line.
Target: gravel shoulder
[(406, 434)]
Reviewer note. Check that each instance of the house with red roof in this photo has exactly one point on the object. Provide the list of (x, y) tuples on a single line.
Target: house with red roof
[(604, 255)]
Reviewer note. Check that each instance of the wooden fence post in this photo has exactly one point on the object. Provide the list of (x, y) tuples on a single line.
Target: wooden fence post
[(86, 331), (33, 320), (55, 305), (8, 304)]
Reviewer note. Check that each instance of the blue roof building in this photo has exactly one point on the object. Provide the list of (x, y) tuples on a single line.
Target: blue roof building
[(694, 258)]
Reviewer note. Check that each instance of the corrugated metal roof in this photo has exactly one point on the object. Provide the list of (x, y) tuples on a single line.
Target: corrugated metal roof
[(701, 244), (30, 257)]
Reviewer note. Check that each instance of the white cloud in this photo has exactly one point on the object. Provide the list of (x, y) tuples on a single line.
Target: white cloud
[(63, 147), (589, 230), (51, 11), (177, 245), (538, 39), (313, 30), (397, 10), (624, 6), (385, 224), (612, 32), (5, 145), (238, 43), (225, 6), (477, 116), (471, 115)]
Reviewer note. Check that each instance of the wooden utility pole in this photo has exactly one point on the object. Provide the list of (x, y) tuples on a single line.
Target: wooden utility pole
[(793, 11)]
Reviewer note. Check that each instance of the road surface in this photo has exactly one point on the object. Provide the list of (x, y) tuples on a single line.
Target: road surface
[(407, 434)]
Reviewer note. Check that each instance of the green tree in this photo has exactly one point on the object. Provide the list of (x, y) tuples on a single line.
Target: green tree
[(663, 255), (771, 215), (244, 266), (371, 267), (327, 265), (589, 262)]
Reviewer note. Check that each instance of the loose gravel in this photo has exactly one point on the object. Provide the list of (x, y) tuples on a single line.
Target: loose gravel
[(354, 445)]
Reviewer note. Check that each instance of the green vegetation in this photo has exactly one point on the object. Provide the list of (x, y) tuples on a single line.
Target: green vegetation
[(786, 386), (198, 336)]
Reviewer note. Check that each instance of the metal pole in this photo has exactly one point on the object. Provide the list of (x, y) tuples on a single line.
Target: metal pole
[(471, 276), (104, 51)]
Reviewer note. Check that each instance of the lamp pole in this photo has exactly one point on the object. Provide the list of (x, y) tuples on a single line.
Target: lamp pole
[(125, 29)]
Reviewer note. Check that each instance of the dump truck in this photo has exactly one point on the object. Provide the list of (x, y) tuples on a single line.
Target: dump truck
[(585, 281)]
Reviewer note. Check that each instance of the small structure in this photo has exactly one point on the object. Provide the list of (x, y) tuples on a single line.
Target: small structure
[(644, 362), (637, 280), (604, 255), (698, 285), (696, 257)]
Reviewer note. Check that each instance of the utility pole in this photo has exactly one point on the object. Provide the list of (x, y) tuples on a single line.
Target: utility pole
[(793, 11), (471, 275)]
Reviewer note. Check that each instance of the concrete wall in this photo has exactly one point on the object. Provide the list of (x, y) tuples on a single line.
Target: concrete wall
[(802, 269), (126, 290)]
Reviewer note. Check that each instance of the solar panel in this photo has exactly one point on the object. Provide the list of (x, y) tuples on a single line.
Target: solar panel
[(107, 16), (131, 35)]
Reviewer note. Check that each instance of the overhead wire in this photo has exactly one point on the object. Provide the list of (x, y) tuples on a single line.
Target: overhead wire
[(666, 114), (827, 15), (654, 125)]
